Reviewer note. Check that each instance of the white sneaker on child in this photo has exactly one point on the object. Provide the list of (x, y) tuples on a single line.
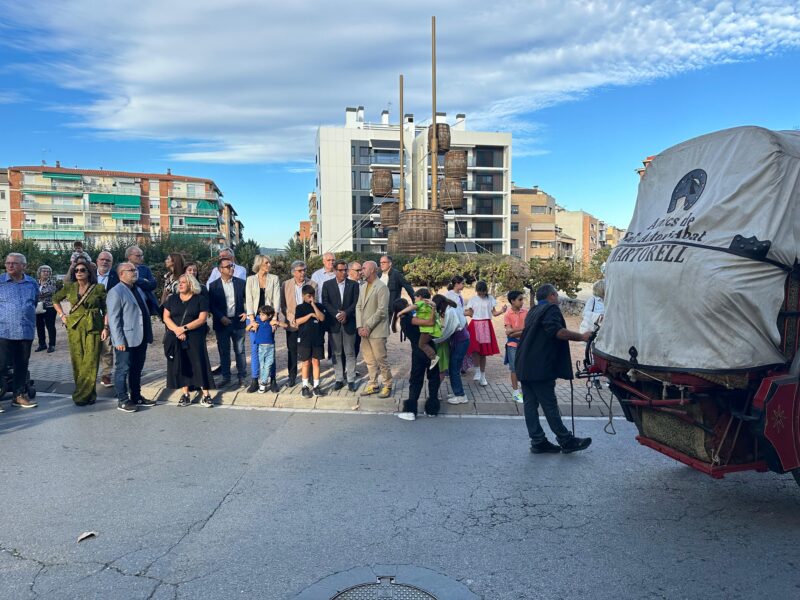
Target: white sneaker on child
[(434, 362), (262, 388), (477, 376), (517, 396), (483, 381)]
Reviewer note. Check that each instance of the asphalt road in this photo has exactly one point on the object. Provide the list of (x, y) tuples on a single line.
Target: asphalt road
[(230, 503)]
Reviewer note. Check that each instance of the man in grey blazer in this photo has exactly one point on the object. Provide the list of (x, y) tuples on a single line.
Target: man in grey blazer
[(131, 332)]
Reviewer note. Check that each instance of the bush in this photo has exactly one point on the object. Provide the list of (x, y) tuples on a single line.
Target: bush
[(560, 273)]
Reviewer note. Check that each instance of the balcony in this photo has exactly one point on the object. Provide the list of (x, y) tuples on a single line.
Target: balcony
[(109, 208), (204, 231), (64, 187), (46, 206), (51, 227), (123, 190), (176, 193), (187, 210)]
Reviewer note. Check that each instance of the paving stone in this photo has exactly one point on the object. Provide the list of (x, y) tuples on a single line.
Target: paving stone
[(294, 401), (458, 409), (343, 402), (496, 408), (266, 400), (375, 404)]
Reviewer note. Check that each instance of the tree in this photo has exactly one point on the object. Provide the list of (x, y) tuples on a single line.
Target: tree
[(297, 249), (558, 272), (593, 273), (246, 253)]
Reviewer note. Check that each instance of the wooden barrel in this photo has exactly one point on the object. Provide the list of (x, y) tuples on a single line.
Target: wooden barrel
[(421, 231), (381, 183), (452, 194), (392, 242), (455, 164), (390, 214), (443, 133)]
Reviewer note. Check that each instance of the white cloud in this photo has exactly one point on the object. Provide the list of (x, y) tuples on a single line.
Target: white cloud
[(249, 81)]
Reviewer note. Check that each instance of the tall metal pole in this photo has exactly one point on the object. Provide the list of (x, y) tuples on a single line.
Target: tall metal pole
[(435, 137), (402, 153)]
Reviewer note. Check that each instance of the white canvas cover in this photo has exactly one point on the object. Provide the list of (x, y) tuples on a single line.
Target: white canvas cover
[(686, 287)]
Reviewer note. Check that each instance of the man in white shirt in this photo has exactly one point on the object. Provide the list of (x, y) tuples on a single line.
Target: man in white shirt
[(104, 263), (238, 270), (226, 304), (326, 273)]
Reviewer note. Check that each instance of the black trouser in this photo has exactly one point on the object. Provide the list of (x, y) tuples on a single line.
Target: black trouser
[(419, 369), (543, 393), (46, 319), (291, 352), (16, 353), (128, 372)]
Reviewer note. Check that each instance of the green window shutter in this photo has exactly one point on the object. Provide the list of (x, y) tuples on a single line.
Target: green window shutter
[(65, 176)]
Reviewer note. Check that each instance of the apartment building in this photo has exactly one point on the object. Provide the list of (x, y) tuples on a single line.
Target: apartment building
[(230, 226), (348, 215), (305, 231), (614, 236), (55, 205), (5, 195), (534, 233), (582, 226)]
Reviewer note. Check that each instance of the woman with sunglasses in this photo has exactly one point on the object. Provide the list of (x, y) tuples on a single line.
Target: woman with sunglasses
[(87, 327)]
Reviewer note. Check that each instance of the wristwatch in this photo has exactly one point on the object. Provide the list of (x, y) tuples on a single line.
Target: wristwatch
[(186, 328)]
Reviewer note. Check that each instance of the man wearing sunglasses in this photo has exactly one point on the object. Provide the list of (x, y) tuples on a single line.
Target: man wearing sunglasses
[(291, 298), (131, 332)]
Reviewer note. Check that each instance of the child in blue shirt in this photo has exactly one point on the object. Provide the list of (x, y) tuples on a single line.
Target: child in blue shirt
[(264, 338)]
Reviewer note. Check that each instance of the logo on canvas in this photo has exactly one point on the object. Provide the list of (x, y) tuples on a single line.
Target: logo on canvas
[(689, 189)]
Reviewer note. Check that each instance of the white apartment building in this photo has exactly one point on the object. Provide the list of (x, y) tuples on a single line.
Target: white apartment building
[(347, 215)]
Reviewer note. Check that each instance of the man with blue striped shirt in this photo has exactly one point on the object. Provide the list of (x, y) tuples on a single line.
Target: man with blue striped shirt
[(18, 296)]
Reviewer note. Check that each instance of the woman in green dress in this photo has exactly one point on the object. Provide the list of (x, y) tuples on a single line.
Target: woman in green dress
[(87, 327)]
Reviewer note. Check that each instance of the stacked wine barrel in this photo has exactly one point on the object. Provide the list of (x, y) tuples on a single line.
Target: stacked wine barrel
[(382, 194), (455, 172)]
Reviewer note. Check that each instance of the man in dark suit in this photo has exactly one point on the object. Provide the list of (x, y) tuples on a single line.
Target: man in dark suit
[(395, 281), (145, 281), (339, 298), (226, 303)]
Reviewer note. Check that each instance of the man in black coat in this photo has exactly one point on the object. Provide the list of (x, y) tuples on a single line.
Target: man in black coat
[(395, 281), (226, 304), (339, 298), (542, 357)]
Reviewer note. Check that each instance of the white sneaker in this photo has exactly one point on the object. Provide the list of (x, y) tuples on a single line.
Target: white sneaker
[(262, 388), (407, 416), (434, 362), (477, 376), (483, 381), (457, 400), (517, 396)]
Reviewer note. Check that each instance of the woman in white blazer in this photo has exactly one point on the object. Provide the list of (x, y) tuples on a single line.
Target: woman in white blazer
[(260, 289)]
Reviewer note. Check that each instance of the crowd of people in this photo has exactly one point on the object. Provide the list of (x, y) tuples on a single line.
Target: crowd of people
[(341, 310)]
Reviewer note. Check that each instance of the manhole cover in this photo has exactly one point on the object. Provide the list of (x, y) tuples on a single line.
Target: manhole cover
[(384, 589)]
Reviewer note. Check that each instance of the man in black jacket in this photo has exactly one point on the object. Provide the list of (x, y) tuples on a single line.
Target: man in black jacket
[(339, 297), (395, 281), (226, 304), (542, 357)]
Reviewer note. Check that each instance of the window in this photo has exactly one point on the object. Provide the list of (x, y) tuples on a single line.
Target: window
[(130, 222), (30, 219), (155, 205), (514, 226), (514, 243), (538, 210), (365, 180), (63, 221), (460, 229), (514, 209), (2, 194), (362, 205), (3, 215), (363, 155)]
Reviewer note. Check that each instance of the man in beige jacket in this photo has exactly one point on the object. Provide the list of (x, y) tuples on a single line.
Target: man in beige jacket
[(372, 323)]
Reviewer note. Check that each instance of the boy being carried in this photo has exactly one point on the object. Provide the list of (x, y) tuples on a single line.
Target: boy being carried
[(308, 318), (423, 309), (514, 320)]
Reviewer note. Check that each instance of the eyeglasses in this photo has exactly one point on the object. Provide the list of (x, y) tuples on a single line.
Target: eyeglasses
[(81, 270), (299, 270), (137, 255), (103, 259), (11, 264), (128, 270), (226, 267), (356, 270), (342, 270)]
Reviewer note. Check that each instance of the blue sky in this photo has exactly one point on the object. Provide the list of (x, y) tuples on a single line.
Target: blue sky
[(235, 93)]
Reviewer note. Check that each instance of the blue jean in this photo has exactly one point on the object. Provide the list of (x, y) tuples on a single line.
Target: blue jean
[(255, 361), (457, 354), (128, 367), (226, 335), (266, 361)]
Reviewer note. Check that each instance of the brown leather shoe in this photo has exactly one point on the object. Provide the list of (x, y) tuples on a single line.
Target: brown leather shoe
[(105, 381), (22, 402)]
